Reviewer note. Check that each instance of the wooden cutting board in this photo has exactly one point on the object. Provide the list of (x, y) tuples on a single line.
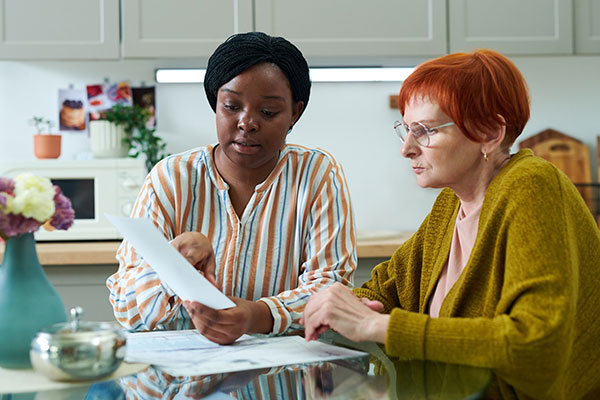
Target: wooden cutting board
[(570, 155)]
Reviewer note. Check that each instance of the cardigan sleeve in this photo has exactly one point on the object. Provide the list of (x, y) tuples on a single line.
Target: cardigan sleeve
[(396, 282), (528, 339)]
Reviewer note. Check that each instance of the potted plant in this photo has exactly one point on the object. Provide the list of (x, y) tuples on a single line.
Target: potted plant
[(140, 138), (45, 144)]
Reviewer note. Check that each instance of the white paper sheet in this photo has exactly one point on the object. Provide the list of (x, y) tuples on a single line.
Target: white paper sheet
[(172, 268), (187, 352)]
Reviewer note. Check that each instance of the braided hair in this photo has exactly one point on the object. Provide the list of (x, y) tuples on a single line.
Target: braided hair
[(244, 50)]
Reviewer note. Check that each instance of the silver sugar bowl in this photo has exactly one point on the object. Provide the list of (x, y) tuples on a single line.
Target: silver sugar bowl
[(78, 350)]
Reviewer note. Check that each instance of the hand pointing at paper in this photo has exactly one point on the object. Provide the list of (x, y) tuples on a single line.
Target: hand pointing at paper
[(198, 250)]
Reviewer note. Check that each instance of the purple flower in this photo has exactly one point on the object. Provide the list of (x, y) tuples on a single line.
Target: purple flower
[(64, 215), (13, 221), (7, 185), (14, 225)]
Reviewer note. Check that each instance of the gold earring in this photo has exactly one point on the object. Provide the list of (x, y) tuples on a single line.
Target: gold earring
[(485, 157)]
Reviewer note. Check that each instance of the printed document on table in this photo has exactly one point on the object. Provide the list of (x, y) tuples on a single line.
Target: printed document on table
[(187, 352), (172, 268)]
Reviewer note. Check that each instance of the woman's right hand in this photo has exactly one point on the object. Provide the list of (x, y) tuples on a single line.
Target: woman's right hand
[(337, 308), (198, 250)]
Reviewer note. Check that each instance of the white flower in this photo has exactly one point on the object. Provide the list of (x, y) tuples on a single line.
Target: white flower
[(34, 198)]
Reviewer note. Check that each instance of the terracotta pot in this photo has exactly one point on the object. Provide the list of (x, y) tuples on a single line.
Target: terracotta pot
[(46, 146)]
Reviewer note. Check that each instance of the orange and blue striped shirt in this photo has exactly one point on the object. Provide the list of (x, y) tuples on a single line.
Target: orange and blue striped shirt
[(296, 236)]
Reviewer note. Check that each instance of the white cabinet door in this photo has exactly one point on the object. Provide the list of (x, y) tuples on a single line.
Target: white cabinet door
[(59, 29), (355, 28), (181, 28), (512, 26), (587, 26)]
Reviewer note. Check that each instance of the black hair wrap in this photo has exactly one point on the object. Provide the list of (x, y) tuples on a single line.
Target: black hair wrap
[(244, 50)]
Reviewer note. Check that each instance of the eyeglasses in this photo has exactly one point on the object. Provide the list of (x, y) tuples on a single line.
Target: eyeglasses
[(420, 132)]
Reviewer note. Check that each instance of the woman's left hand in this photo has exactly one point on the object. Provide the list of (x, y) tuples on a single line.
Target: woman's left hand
[(225, 326), (339, 309)]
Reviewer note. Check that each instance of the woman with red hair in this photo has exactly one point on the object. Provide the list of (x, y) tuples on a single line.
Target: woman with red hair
[(504, 273)]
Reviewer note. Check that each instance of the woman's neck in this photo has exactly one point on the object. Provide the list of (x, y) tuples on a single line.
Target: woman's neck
[(237, 176), (472, 195)]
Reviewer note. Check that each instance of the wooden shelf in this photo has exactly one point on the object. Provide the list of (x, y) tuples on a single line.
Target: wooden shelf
[(380, 247), (90, 253), (76, 253)]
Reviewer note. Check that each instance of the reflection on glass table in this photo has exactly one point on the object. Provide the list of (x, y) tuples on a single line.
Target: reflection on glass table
[(375, 376)]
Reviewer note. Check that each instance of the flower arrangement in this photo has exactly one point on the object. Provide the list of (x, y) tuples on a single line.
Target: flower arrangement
[(30, 201)]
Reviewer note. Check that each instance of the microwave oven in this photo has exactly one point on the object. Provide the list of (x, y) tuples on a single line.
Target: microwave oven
[(95, 187)]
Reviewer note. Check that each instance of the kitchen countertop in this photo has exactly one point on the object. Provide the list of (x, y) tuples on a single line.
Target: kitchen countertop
[(103, 252)]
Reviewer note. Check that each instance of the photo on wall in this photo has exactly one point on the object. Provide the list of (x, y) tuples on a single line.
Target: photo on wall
[(101, 97), (72, 110), (145, 97), (97, 101)]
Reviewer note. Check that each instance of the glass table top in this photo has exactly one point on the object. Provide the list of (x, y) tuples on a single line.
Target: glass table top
[(373, 376)]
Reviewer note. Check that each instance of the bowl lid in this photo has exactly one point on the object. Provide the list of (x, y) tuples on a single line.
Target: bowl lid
[(78, 330)]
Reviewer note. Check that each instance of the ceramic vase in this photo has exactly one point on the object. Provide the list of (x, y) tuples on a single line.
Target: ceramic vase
[(28, 301), (106, 140)]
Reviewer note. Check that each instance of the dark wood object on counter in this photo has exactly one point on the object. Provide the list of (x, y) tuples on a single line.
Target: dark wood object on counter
[(570, 155)]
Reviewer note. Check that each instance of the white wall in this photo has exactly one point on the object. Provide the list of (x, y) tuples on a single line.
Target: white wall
[(351, 120)]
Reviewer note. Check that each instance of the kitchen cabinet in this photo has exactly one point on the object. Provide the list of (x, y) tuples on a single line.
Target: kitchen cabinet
[(191, 28), (587, 27), (339, 28), (340, 32), (511, 27), (182, 28), (59, 29)]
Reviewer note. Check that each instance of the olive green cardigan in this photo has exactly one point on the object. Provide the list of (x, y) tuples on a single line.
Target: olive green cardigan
[(527, 303)]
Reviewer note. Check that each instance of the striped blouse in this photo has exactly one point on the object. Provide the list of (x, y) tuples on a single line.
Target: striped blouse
[(277, 383), (295, 237)]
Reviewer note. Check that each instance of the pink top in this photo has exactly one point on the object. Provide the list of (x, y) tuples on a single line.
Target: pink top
[(465, 232)]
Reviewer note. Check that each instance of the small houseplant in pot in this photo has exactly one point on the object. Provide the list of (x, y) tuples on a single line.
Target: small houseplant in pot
[(45, 144), (140, 138)]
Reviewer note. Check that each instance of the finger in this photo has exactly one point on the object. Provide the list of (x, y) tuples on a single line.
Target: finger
[(198, 258), (374, 305), (212, 280), (213, 331), (224, 318), (322, 329), (210, 269), (312, 332), (308, 332), (219, 335)]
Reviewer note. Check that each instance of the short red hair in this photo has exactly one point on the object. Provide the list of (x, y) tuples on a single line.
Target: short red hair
[(473, 89)]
